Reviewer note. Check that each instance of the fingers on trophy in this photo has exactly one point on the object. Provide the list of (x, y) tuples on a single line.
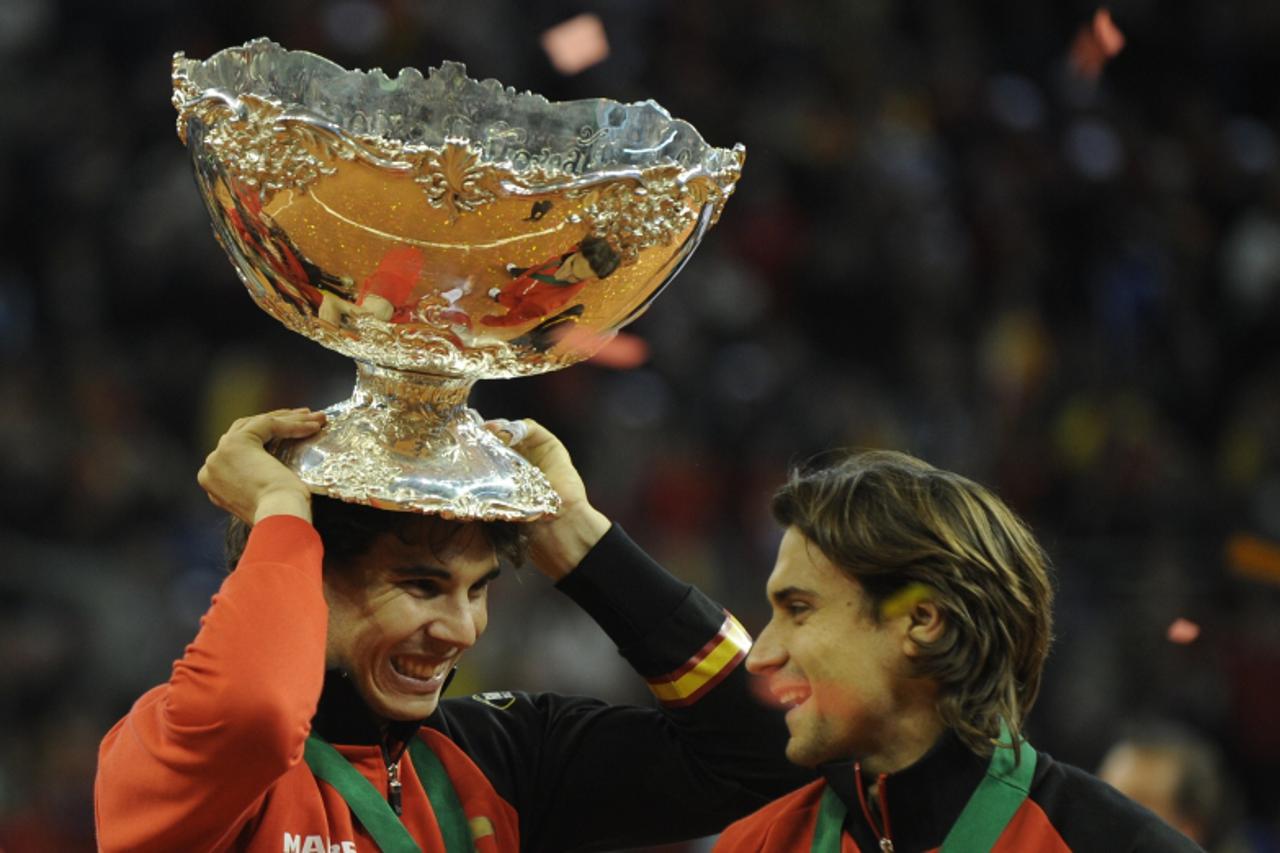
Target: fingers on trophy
[(438, 230)]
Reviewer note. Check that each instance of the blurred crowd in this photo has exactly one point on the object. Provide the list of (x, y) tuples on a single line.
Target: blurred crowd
[(964, 230)]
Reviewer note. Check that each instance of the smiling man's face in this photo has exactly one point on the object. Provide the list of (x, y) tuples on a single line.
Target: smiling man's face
[(841, 673), (402, 614)]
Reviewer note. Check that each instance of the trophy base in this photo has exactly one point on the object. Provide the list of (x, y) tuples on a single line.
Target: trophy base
[(408, 442)]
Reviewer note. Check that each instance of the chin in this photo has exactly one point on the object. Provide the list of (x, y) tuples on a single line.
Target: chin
[(801, 754), (400, 709), (403, 712), (815, 751), (405, 716)]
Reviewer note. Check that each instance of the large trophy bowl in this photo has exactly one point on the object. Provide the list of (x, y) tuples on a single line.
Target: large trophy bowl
[(438, 230)]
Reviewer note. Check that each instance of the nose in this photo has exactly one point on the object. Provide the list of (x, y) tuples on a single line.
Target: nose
[(456, 625), (766, 653)]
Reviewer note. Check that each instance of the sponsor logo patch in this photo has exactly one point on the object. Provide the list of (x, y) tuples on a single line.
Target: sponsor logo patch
[(501, 700)]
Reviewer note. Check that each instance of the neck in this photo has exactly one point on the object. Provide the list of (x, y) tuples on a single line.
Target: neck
[(343, 717), (923, 800), (905, 740)]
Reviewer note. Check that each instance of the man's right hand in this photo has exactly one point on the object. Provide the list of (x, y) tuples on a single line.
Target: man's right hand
[(241, 477)]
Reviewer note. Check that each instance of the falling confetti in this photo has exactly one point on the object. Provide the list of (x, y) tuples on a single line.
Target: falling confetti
[(622, 353), (1096, 43), (576, 44), (1183, 631), (760, 689), (618, 350), (1253, 558)]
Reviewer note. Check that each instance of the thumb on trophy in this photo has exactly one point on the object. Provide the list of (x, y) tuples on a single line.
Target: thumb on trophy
[(557, 544), (510, 433)]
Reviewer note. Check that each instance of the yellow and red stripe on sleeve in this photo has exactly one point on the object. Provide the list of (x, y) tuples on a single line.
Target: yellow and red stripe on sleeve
[(708, 666)]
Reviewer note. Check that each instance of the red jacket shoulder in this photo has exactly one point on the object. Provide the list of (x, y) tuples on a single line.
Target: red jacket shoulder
[(786, 824)]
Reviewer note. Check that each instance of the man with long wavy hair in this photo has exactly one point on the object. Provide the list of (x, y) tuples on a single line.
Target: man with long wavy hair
[(912, 614)]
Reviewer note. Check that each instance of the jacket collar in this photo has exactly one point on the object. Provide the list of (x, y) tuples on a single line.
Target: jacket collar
[(342, 717), (923, 800)]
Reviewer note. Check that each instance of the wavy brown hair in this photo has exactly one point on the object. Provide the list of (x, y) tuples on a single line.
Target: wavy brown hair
[(890, 520), (348, 530)]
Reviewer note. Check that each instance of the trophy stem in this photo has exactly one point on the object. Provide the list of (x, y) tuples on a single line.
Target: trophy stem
[(408, 441), (439, 399)]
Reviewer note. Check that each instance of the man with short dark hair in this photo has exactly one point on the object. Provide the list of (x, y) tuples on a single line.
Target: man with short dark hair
[(1178, 774), (911, 620), (306, 715)]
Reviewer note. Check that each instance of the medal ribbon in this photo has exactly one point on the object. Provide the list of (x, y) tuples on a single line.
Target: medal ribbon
[(989, 810), (375, 814)]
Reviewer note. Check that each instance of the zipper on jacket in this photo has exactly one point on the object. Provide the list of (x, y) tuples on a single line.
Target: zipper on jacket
[(393, 772), (393, 787), (885, 838)]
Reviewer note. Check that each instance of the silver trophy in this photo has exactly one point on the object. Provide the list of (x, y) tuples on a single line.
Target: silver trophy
[(438, 230)]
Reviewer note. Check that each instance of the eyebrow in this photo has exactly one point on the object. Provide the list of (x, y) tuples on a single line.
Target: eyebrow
[(780, 596), (439, 573)]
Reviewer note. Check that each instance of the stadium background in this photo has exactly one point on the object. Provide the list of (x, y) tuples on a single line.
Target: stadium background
[(960, 232)]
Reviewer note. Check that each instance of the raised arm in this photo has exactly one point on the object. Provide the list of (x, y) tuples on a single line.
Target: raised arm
[(586, 775), (182, 769)]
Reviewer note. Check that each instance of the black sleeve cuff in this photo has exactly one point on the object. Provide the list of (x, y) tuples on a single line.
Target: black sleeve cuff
[(624, 590)]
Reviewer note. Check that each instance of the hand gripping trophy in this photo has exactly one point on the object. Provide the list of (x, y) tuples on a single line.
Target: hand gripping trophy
[(438, 230)]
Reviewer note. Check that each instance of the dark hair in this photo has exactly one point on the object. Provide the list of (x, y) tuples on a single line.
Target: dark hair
[(890, 520), (600, 256), (348, 529)]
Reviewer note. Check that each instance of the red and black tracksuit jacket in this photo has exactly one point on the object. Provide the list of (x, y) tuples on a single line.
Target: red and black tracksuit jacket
[(1066, 810), (213, 759)]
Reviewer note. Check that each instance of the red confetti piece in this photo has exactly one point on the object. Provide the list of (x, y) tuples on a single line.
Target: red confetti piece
[(1107, 34), (1096, 43), (618, 350), (759, 685), (576, 44), (623, 352), (1183, 631)]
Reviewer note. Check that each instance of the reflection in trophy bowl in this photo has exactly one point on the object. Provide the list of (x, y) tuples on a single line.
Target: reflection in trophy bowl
[(441, 227)]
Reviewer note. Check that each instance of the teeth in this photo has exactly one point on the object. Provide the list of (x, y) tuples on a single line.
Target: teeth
[(791, 698), (416, 668)]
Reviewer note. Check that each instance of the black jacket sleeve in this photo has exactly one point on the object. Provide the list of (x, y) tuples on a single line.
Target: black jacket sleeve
[(1090, 815), (585, 775)]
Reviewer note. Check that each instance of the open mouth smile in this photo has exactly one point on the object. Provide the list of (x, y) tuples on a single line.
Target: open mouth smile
[(420, 674), (790, 694)]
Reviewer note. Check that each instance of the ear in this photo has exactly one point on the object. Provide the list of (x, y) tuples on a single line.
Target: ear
[(926, 626)]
